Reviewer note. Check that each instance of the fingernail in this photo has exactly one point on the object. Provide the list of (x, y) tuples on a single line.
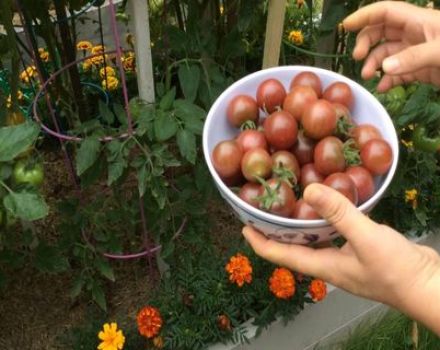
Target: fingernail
[(313, 193), (245, 231), (391, 65)]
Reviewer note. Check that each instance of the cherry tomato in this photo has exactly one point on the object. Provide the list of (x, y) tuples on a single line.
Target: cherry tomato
[(25, 173), (270, 95), (251, 138), (298, 99), (226, 159), (364, 133), (377, 156), (249, 193), (364, 182), (281, 130), (307, 79), (319, 120), (344, 184), (339, 92), (329, 156), (279, 199), (241, 109), (256, 163), (284, 160), (303, 148), (304, 211), (310, 175)]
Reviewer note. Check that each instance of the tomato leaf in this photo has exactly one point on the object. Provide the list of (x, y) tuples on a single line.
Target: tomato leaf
[(140, 109), (167, 101), (186, 141), (17, 139), (165, 126), (189, 79), (77, 287), (105, 112), (105, 269), (121, 114), (143, 178), (117, 160), (191, 115), (49, 259), (26, 205), (99, 296), (87, 154)]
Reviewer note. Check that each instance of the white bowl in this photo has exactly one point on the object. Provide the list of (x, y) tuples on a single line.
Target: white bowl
[(367, 109)]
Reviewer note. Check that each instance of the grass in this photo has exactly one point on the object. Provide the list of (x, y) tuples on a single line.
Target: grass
[(392, 332)]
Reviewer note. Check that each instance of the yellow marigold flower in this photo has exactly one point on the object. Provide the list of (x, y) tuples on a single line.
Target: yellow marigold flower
[(98, 49), (282, 283), (128, 62), (239, 269), (84, 45), (9, 99), (28, 74), (112, 338), (98, 60), (110, 84), (149, 321), (407, 144), (411, 197), (296, 37), (44, 55), (107, 71), (87, 64), (317, 290)]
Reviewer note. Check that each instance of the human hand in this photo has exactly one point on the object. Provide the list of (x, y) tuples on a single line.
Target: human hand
[(407, 39), (376, 262)]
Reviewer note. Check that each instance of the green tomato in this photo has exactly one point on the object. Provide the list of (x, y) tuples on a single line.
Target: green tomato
[(28, 174)]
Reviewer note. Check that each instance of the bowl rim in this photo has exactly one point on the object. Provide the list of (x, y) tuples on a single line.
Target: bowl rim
[(290, 222)]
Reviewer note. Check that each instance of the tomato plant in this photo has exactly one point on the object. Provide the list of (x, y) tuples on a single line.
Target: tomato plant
[(319, 120), (270, 95), (363, 181), (377, 156), (339, 92), (241, 109), (251, 138), (281, 130), (307, 79), (277, 197), (344, 184), (256, 163), (28, 173), (329, 155), (298, 99)]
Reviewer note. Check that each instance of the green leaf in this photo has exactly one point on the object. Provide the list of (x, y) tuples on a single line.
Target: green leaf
[(141, 109), (115, 170), (117, 160), (191, 115), (167, 101), (143, 177), (165, 126), (187, 145), (167, 250), (87, 154), (77, 287), (5, 171), (26, 205), (17, 139), (105, 269), (105, 112), (121, 114), (189, 79), (99, 296), (49, 259)]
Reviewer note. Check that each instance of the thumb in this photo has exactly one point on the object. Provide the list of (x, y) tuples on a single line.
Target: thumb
[(340, 213), (413, 59)]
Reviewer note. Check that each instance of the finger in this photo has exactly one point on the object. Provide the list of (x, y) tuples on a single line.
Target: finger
[(299, 258), (413, 58), (384, 12), (357, 228), (388, 81), (370, 36), (377, 55)]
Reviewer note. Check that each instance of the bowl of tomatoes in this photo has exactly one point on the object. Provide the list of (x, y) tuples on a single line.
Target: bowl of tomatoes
[(276, 131)]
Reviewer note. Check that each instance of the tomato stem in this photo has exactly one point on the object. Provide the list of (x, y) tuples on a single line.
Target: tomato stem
[(351, 153), (6, 187)]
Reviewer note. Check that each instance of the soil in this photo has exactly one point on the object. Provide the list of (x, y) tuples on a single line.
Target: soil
[(36, 309)]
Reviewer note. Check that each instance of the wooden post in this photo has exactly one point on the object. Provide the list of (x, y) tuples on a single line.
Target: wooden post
[(138, 10), (274, 33)]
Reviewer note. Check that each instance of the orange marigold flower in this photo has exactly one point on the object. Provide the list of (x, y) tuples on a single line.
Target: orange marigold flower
[(239, 269), (224, 323), (149, 321), (84, 45), (317, 290), (282, 283)]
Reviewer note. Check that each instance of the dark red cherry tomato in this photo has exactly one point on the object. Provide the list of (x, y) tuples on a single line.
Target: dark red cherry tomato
[(256, 163), (329, 155), (303, 211), (251, 138), (310, 175), (249, 193), (307, 79), (278, 198), (377, 156), (281, 130), (284, 160), (364, 133), (298, 99), (364, 182), (319, 120), (303, 148), (241, 109), (339, 92), (344, 184), (226, 159), (270, 95)]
